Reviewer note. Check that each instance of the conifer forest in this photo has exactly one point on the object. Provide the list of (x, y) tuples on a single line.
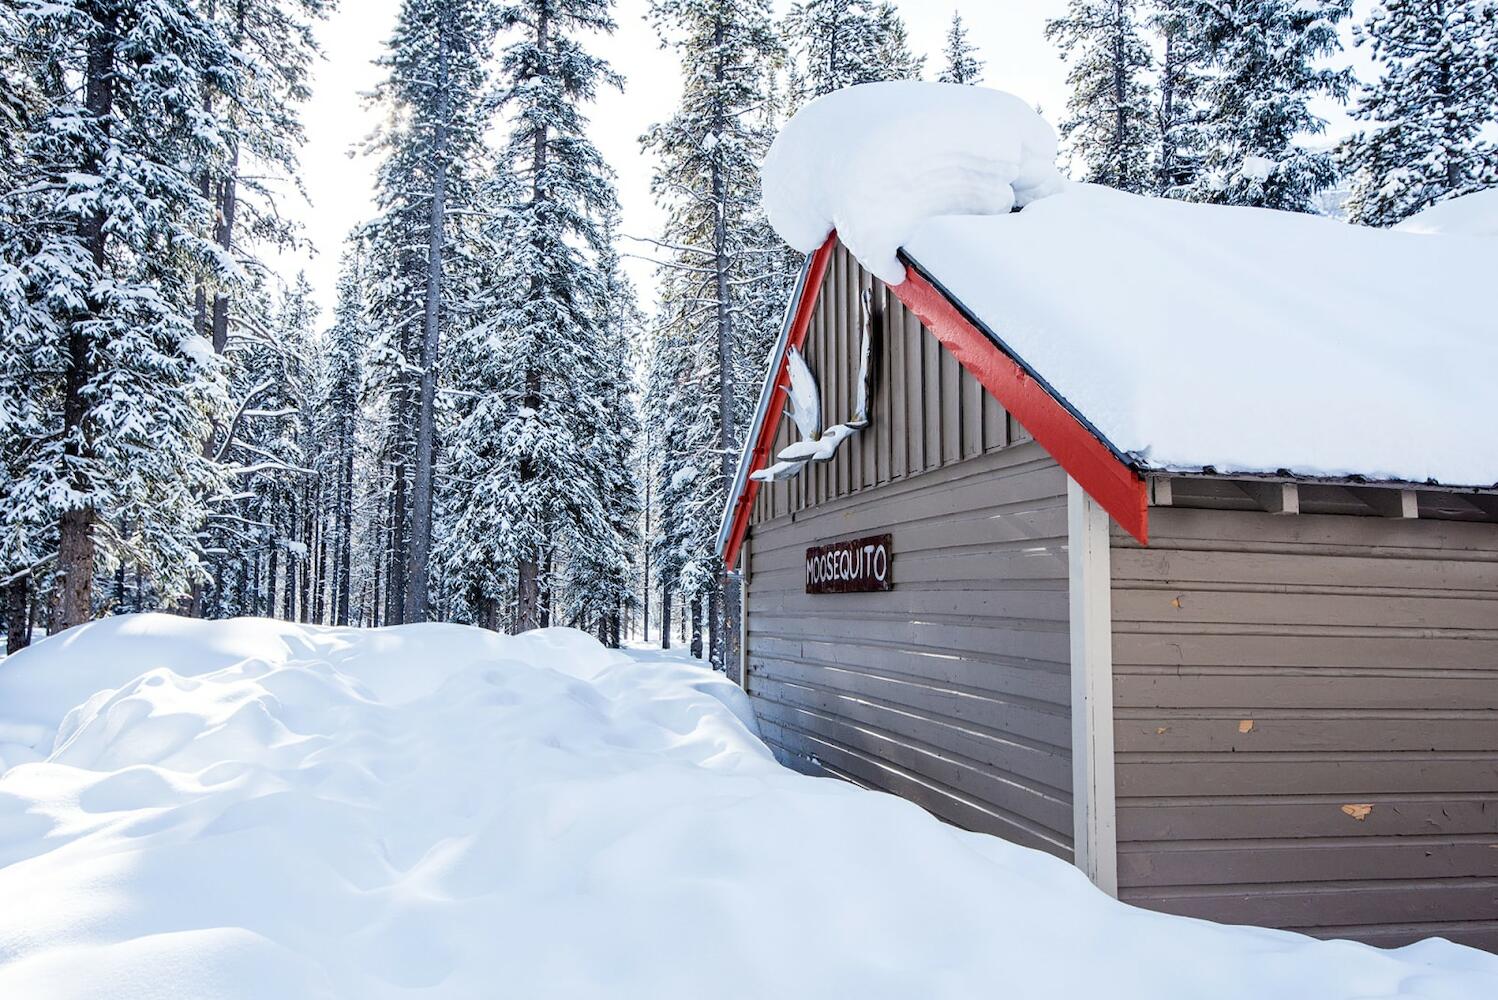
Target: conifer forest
[(494, 426)]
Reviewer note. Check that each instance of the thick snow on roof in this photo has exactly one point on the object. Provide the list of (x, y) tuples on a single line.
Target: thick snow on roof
[(1473, 214), (255, 809), (875, 160), (1188, 335), (1241, 339)]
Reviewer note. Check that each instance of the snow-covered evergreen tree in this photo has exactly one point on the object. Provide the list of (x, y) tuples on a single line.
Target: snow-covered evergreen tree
[(1179, 144), (1430, 113), (600, 562), (961, 62), (543, 492), (434, 97), (841, 43), (1110, 114), (894, 59), (120, 239), (337, 412), (30, 349), (437, 65), (1268, 62), (708, 180)]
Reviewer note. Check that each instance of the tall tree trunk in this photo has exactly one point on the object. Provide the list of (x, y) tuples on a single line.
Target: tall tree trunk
[(304, 562), (665, 615), (345, 524), (17, 615), (723, 605), (528, 596), (645, 554), (528, 610), (697, 626), (76, 553), (273, 568), (417, 598), (395, 560)]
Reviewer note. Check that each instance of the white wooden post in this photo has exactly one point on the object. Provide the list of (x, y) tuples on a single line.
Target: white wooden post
[(744, 615), (1094, 828)]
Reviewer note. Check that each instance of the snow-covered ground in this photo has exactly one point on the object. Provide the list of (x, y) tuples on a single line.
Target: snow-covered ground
[(259, 809)]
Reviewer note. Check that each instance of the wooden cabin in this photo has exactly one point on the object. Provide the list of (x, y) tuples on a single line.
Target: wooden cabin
[(1258, 697)]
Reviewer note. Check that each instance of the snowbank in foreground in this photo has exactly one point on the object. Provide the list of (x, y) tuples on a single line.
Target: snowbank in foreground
[(875, 160), (255, 809)]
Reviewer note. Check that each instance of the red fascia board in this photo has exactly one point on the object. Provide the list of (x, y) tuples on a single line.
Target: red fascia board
[(1075, 447), (800, 322)]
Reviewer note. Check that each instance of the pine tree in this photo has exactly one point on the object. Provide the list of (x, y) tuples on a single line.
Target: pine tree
[(338, 419), (1179, 142), (546, 478), (894, 59), (1267, 59), (120, 241), (432, 152), (1109, 114), (30, 406), (1429, 110), (710, 187), (847, 42), (962, 62), (600, 563)]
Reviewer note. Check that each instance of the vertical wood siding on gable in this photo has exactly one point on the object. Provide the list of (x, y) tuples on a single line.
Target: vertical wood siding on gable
[(952, 689), (1306, 723), (935, 415)]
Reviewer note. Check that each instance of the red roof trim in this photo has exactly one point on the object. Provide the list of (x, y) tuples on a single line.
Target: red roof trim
[(744, 503), (1074, 445), (1078, 450)]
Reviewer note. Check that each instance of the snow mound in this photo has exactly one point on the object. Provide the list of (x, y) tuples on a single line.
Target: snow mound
[(255, 809), (876, 160), (1474, 214), (1241, 339)]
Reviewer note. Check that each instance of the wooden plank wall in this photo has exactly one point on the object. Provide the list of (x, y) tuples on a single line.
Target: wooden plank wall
[(953, 688), (1307, 723), (926, 411)]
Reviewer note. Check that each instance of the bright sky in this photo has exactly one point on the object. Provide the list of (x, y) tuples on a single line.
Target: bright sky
[(340, 186), (1009, 35)]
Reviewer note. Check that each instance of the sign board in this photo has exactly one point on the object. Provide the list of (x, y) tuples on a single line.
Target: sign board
[(857, 566)]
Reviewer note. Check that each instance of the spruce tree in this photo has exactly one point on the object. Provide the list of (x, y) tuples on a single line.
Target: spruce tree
[(1109, 114), (120, 242), (337, 412), (1177, 132), (1267, 59), (962, 62), (710, 188), (546, 493), (1429, 112), (432, 151), (842, 43)]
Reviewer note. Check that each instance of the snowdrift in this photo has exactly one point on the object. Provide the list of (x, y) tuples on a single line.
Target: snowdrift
[(261, 810), (1474, 214)]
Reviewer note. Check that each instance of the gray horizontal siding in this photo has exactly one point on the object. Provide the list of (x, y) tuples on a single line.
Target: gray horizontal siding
[(951, 689), (1270, 671)]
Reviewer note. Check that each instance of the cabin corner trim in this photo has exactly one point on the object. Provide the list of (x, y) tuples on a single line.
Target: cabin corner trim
[(1094, 790)]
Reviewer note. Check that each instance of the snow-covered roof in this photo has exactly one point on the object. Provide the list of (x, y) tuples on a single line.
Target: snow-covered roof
[(1188, 336), (1473, 214)]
